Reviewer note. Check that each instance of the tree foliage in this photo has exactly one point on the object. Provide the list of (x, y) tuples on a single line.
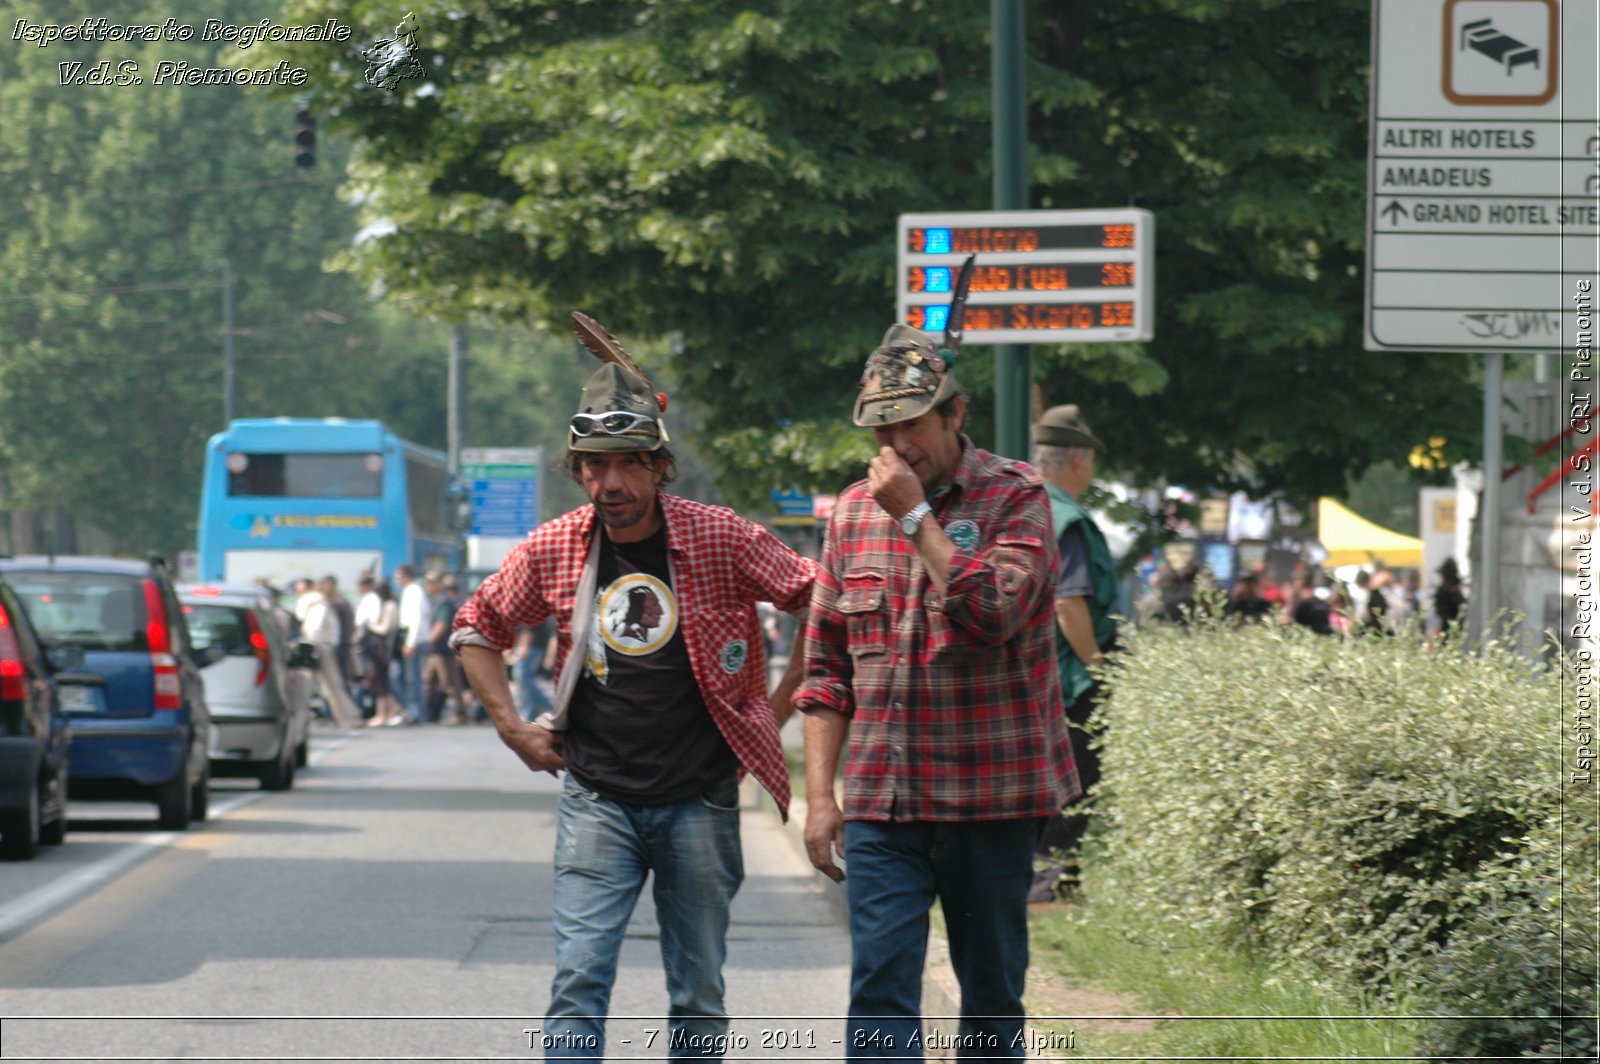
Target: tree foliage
[(121, 203), (729, 174)]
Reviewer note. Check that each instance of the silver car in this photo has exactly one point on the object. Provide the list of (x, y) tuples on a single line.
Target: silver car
[(257, 682)]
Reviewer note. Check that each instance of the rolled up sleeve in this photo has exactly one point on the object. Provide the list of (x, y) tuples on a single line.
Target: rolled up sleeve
[(829, 678), (503, 603)]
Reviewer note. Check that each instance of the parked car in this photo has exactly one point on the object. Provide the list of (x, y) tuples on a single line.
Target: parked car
[(140, 726), (258, 685), (35, 736)]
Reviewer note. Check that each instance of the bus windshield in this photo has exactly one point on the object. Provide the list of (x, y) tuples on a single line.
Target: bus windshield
[(314, 476), (286, 498)]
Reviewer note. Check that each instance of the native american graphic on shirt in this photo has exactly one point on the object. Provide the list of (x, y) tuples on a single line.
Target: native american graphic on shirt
[(636, 614)]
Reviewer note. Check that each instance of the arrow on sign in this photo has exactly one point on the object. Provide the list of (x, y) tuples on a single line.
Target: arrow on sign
[(1399, 212)]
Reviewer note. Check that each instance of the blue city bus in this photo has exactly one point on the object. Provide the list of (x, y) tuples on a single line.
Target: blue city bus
[(285, 498)]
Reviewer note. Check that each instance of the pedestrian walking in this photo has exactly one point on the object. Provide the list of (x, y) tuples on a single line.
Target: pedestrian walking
[(416, 615), (1065, 453), (320, 626), (661, 703), (930, 650)]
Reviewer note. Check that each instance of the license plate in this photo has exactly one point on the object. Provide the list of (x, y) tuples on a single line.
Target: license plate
[(76, 699)]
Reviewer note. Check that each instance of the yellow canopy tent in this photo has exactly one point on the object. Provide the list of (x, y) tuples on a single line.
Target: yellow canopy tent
[(1351, 539)]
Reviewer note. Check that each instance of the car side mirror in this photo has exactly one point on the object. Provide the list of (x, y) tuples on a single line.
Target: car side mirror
[(64, 658)]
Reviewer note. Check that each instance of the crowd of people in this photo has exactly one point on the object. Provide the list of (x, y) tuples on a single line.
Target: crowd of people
[(1377, 599), (386, 661)]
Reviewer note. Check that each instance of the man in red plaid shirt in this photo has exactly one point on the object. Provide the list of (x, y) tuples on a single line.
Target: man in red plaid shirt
[(661, 701), (930, 648)]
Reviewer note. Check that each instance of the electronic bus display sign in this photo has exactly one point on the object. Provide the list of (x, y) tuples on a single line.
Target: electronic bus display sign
[(1040, 276)]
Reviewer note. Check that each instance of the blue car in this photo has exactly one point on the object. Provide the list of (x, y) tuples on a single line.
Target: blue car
[(34, 736), (140, 726)]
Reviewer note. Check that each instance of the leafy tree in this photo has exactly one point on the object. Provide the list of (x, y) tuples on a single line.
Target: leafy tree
[(122, 202), (729, 174)]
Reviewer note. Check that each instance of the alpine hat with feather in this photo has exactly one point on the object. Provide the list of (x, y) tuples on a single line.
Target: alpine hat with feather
[(619, 410)]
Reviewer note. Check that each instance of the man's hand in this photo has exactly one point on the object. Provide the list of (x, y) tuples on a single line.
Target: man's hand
[(825, 837), (893, 483), (538, 746)]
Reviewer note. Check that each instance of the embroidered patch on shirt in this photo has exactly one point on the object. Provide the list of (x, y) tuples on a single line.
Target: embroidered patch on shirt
[(733, 656), (963, 533)]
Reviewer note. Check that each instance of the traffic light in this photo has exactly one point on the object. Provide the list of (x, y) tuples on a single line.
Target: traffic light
[(305, 139)]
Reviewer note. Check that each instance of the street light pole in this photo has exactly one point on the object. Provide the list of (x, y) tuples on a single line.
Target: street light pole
[(456, 401), (227, 343), (1012, 362)]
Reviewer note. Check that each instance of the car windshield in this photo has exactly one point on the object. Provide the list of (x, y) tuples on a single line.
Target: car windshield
[(97, 611), (212, 625)]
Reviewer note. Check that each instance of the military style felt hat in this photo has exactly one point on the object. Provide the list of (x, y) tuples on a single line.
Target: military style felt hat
[(906, 376), (912, 371), (617, 412), (1062, 426)]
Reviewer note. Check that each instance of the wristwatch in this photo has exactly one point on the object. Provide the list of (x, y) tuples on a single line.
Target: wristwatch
[(913, 518)]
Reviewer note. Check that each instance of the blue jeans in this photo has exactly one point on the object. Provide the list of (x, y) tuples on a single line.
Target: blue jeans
[(534, 700), (604, 851), (411, 694), (980, 872)]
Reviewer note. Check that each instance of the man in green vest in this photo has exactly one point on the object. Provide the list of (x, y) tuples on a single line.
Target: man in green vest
[(1065, 451)]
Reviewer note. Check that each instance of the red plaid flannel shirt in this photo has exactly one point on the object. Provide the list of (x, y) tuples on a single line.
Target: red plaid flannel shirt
[(722, 565), (955, 702)]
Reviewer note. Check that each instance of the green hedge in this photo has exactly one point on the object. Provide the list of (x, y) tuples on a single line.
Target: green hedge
[(1342, 809), (1524, 952)]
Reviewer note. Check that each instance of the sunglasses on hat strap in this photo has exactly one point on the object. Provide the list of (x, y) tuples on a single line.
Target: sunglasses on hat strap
[(610, 423)]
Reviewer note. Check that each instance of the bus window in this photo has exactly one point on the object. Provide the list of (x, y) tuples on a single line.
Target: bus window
[(308, 476), (429, 498)]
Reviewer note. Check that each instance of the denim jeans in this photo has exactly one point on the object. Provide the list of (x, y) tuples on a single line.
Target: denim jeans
[(411, 673), (980, 872), (534, 700), (604, 851)]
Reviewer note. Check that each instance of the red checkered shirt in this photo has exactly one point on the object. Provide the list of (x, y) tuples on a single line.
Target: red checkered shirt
[(954, 701), (722, 565)]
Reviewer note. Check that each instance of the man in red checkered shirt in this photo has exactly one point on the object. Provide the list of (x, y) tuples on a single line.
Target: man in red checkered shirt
[(661, 702), (930, 648)]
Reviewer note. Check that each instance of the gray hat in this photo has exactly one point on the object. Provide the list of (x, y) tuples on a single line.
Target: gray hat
[(1060, 426), (618, 412), (906, 376)]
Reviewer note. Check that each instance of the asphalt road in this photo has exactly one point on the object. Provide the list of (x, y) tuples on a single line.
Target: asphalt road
[(393, 906)]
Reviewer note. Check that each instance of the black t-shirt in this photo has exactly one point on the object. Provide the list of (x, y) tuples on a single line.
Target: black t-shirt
[(639, 731)]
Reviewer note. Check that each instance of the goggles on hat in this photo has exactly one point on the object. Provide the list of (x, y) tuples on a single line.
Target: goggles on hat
[(610, 423)]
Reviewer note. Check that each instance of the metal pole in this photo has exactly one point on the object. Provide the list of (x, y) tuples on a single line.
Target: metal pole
[(456, 400), (1486, 591), (227, 343), (1012, 362)]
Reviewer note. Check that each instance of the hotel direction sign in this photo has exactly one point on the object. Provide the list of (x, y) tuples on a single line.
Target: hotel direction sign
[(1483, 207)]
